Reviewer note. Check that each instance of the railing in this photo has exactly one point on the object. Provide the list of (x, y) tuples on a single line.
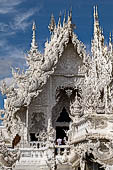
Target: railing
[(61, 149), (42, 156), (37, 144), (43, 151), (33, 153)]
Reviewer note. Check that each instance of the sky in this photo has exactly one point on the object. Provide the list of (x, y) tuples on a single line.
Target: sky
[(17, 16)]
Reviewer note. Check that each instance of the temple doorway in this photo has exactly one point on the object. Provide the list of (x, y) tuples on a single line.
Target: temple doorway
[(62, 125)]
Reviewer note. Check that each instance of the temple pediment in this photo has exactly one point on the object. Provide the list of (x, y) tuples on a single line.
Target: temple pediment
[(70, 62)]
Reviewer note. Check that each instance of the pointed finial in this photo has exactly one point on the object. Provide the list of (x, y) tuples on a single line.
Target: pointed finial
[(52, 24), (33, 43), (102, 31), (70, 25), (96, 11), (68, 15), (59, 21), (110, 38), (71, 13), (110, 42), (64, 21), (34, 26)]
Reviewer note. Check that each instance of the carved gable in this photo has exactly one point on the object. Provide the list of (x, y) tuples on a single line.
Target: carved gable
[(70, 62)]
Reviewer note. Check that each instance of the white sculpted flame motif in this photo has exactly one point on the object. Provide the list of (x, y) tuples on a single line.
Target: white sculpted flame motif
[(90, 132)]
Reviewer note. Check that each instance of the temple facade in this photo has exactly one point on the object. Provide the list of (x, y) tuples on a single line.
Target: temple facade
[(58, 114)]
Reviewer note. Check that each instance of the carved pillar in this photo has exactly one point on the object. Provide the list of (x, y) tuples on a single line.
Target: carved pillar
[(26, 135), (75, 108), (105, 98)]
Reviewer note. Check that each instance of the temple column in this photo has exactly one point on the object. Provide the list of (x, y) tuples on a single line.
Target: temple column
[(26, 133)]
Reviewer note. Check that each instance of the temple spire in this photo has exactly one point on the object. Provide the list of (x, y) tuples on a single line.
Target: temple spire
[(64, 21), (110, 43), (110, 38), (33, 43), (98, 38), (71, 14), (96, 22), (52, 24), (70, 25), (59, 21), (96, 12)]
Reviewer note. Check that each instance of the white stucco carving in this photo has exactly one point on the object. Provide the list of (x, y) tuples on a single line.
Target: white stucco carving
[(84, 87)]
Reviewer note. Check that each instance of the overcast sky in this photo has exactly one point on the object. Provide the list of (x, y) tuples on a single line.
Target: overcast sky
[(17, 16)]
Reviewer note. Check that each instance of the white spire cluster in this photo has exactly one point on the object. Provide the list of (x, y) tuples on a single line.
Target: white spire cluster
[(33, 43), (65, 74), (41, 66), (33, 54)]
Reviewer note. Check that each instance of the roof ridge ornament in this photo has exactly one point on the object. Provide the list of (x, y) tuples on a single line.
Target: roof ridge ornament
[(69, 22), (96, 11), (59, 21), (64, 21), (52, 24), (110, 43), (33, 43), (71, 13), (98, 37)]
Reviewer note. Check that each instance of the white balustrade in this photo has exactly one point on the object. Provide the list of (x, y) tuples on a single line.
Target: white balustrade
[(33, 153), (37, 144), (60, 149), (42, 151)]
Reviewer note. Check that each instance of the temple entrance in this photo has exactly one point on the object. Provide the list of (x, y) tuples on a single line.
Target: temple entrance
[(62, 125), (61, 133)]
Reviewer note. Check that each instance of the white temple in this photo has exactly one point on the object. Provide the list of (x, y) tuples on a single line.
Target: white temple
[(64, 94)]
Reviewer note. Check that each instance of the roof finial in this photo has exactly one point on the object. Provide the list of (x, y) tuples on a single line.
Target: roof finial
[(110, 38), (59, 21), (68, 16), (64, 21), (110, 42), (52, 24), (96, 12), (70, 25), (33, 43), (71, 14)]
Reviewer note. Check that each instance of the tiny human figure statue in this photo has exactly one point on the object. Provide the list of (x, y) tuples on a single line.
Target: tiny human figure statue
[(59, 141)]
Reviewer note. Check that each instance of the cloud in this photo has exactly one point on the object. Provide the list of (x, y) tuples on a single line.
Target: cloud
[(7, 63), (9, 81), (8, 6), (10, 57), (3, 43), (21, 21), (3, 27)]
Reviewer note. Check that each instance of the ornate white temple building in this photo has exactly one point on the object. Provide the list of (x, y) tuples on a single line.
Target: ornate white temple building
[(58, 114)]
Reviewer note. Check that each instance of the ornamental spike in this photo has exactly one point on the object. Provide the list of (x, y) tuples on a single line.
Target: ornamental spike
[(64, 21), (33, 43), (59, 21), (52, 24), (96, 12), (110, 42), (71, 14), (110, 38)]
